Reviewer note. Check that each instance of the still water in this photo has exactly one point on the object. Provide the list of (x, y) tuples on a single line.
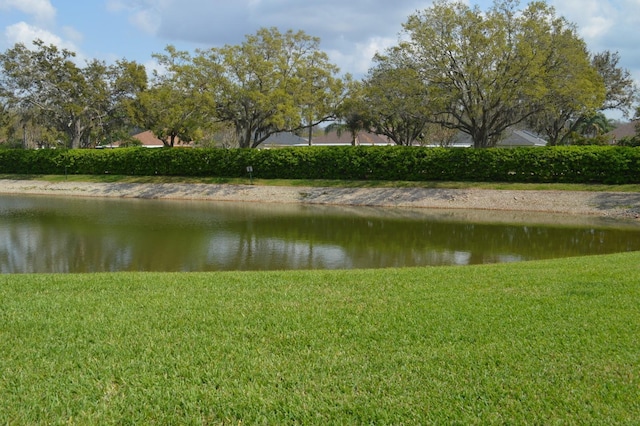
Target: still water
[(56, 234)]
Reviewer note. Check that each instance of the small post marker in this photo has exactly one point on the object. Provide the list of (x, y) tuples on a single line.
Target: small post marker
[(250, 171)]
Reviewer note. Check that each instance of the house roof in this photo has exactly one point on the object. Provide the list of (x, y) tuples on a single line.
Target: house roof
[(149, 140), (522, 138), (513, 138), (362, 138), (284, 139), (624, 130), (332, 138)]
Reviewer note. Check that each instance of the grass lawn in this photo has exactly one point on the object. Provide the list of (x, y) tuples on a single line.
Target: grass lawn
[(551, 342)]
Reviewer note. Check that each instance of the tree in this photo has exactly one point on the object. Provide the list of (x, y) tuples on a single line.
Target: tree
[(489, 71), (173, 108), (22, 129), (438, 135), (593, 125), (5, 119), (352, 115), (321, 94), (575, 90), (567, 110), (396, 99), (78, 102), (126, 81), (591, 129), (621, 92), (273, 82)]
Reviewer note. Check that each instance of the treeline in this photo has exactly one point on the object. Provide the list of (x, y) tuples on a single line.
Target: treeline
[(587, 164), (455, 69)]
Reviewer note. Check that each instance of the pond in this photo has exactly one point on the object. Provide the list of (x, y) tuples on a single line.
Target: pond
[(40, 234)]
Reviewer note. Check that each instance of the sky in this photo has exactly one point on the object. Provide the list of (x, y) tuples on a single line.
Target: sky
[(351, 31)]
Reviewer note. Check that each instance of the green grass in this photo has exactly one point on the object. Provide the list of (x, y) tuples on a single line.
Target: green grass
[(551, 342), (330, 183)]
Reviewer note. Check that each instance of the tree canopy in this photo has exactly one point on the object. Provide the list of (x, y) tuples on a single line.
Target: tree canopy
[(172, 108), (397, 99), (79, 102), (621, 92), (272, 82), (353, 114), (488, 71)]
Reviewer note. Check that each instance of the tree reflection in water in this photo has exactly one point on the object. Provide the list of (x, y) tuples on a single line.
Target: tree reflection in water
[(45, 234)]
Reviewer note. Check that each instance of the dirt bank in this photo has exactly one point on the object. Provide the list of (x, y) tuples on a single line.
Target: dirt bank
[(607, 204)]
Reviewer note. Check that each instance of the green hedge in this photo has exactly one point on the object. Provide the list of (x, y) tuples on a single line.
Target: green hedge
[(585, 164)]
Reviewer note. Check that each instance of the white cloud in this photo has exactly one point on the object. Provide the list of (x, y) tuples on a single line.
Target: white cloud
[(42, 10), (26, 34), (607, 25), (72, 34), (219, 21), (146, 21), (594, 18), (146, 15), (358, 60), (351, 32), (597, 26), (115, 5)]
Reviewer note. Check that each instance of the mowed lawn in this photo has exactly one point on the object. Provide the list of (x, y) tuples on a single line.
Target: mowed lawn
[(551, 342)]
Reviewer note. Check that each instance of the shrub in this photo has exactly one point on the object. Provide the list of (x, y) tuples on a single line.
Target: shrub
[(629, 141), (574, 164), (581, 140)]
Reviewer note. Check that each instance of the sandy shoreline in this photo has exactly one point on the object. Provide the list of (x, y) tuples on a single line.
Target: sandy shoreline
[(604, 204)]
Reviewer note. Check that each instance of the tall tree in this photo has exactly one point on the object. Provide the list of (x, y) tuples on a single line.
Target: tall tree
[(22, 128), (126, 81), (173, 108), (575, 90), (77, 101), (4, 117), (621, 92), (605, 85), (489, 71), (397, 99), (593, 125), (270, 83), (352, 114)]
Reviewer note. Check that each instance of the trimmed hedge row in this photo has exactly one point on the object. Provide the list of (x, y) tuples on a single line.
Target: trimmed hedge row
[(585, 164)]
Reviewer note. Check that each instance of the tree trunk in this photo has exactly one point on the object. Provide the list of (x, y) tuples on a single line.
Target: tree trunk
[(244, 137), (480, 139), (75, 132), (76, 140)]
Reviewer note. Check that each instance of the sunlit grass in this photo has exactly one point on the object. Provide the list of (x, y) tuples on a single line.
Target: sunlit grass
[(328, 183), (552, 342)]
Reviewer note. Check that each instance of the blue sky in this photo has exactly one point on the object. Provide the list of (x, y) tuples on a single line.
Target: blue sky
[(351, 30)]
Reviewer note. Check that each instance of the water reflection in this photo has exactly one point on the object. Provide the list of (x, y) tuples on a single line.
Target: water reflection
[(50, 234)]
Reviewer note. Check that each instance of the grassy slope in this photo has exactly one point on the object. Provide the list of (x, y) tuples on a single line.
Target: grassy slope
[(541, 342)]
